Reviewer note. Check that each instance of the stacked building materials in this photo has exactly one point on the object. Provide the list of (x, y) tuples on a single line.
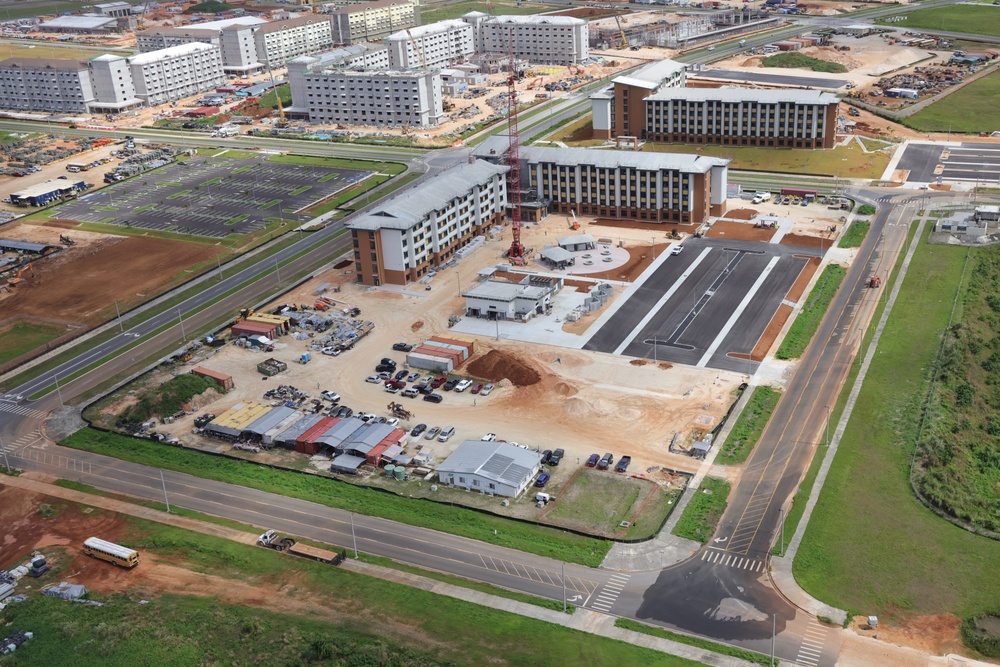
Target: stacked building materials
[(442, 353)]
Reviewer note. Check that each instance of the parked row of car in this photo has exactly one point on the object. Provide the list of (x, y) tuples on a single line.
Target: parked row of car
[(442, 434), (605, 462)]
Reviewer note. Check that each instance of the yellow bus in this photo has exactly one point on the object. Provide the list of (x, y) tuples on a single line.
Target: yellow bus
[(111, 552)]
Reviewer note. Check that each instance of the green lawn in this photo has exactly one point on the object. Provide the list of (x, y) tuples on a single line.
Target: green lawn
[(432, 11), (802, 61), (976, 20), (724, 649), (599, 501), (23, 337), (748, 428), (842, 162), (704, 510), (183, 630), (855, 234), (972, 109), (550, 542), (871, 547), (391, 168), (808, 319)]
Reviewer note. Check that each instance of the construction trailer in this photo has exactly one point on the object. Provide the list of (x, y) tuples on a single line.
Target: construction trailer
[(225, 380)]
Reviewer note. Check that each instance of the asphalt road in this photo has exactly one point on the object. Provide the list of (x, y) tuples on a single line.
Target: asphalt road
[(971, 162)]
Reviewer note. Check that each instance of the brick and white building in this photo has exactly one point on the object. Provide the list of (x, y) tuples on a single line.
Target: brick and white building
[(619, 109), (420, 230)]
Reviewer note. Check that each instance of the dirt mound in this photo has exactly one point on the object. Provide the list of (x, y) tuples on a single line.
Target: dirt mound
[(638, 362), (564, 389), (496, 366), (61, 223), (741, 214)]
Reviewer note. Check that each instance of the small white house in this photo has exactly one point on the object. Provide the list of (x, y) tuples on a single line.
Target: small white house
[(503, 300), (498, 468)]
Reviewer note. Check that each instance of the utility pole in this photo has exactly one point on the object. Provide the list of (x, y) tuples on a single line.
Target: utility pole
[(58, 392), (782, 510), (828, 426), (564, 585), (165, 500), (774, 627), (354, 538), (5, 460), (181, 320), (121, 327)]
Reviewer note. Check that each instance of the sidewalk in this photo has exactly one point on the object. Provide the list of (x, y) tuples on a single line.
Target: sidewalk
[(582, 620)]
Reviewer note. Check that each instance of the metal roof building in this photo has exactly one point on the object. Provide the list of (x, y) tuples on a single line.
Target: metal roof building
[(45, 193), (490, 467), (85, 24), (25, 246), (340, 432), (366, 438), (292, 433)]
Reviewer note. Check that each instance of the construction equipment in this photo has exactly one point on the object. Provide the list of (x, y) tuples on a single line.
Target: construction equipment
[(244, 314), (536, 82), (399, 411), (19, 278), (874, 282), (576, 223), (282, 122), (273, 540), (516, 253), (621, 30), (66, 240), (416, 48)]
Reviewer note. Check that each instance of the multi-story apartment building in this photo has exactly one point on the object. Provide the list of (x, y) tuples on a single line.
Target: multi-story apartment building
[(550, 40), (280, 41), (355, 56), (400, 242), (410, 98), (651, 187), (435, 45), (175, 72), (45, 84), (115, 9), (619, 110), (234, 37), (114, 89), (373, 21), (742, 117)]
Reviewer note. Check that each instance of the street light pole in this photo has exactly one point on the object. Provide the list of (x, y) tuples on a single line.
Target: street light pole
[(181, 320), (354, 537), (121, 327), (782, 510), (564, 586), (165, 500), (218, 260), (277, 269), (828, 426), (774, 627), (5, 460), (58, 392)]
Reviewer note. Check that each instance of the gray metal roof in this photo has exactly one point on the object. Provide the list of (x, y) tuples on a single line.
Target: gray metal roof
[(575, 239), (694, 164), (340, 431), (269, 420), (24, 245), (45, 188), (80, 22), (346, 463), (539, 19), (221, 430), (365, 438), (292, 433), (556, 254), (429, 29), (434, 194), (745, 95), (498, 461), (651, 75)]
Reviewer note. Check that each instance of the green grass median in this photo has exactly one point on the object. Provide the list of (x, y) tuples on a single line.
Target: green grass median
[(807, 321), (704, 510), (749, 427)]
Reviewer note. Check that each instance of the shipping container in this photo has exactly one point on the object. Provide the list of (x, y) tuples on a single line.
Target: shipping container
[(463, 339), (461, 349), (457, 355), (429, 363), (468, 345)]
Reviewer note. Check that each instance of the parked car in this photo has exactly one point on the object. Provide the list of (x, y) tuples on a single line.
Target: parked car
[(367, 417), (438, 381), (343, 412), (677, 249), (374, 379), (623, 464), (392, 421), (387, 361), (543, 479), (463, 385), (402, 347), (401, 375), (450, 384), (557, 457), (545, 456), (391, 388), (385, 368), (413, 377), (487, 389), (417, 430), (331, 396), (476, 388), (433, 398), (489, 437), (331, 351), (411, 392), (432, 433), (446, 433), (592, 461), (605, 461), (423, 388)]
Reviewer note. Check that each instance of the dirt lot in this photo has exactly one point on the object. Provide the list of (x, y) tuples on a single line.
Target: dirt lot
[(81, 283)]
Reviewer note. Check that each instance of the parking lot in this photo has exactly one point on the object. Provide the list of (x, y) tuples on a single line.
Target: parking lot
[(713, 300), (214, 196), (966, 162)]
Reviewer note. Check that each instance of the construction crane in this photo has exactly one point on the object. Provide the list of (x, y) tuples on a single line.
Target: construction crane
[(416, 47), (621, 31), (516, 253), (281, 109)]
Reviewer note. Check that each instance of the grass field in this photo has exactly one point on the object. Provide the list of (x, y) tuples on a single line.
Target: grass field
[(598, 502), (972, 19), (724, 649), (704, 510), (184, 630), (550, 542), (432, 11), (855, 234), (802, 61), (23, 337), (969, 110), (900, 559), (842, 162), (748, 428), (808, 319)]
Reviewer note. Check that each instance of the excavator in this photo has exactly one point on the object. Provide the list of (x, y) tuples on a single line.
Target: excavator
[(19, 278)]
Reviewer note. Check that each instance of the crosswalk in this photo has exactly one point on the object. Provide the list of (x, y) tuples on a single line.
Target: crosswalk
[(520, 570), (732, 560), (53, 460), (23, 410), (26, 440), (608, 595), (811, 648)]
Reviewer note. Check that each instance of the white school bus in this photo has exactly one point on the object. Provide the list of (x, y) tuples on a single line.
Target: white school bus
[(111, 552)]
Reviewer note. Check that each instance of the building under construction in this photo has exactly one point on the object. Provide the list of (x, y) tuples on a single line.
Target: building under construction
[(671, 30)]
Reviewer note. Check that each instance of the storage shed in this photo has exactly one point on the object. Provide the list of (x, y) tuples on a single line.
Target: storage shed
[(577, 242), (490, 467)]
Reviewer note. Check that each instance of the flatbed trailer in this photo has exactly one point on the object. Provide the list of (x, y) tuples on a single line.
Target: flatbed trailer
[(273, 540)]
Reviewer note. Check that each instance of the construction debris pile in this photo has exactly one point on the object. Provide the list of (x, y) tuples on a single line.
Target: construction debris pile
[(140, 162), (22, 156)]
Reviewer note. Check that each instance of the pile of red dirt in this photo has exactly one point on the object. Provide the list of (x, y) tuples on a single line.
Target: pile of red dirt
[(496, 366)]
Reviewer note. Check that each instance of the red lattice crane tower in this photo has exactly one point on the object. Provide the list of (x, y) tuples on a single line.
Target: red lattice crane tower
[(516, 253)]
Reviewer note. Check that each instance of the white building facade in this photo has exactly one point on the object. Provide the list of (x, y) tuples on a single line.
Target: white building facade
[(548, 40), (114, 90), (44, 84), (436, 45), (176, 72), (495, 468), (280, 41)]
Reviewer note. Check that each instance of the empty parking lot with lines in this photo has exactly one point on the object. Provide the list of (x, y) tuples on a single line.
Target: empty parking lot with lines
[(215, 196), (708, 306)]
